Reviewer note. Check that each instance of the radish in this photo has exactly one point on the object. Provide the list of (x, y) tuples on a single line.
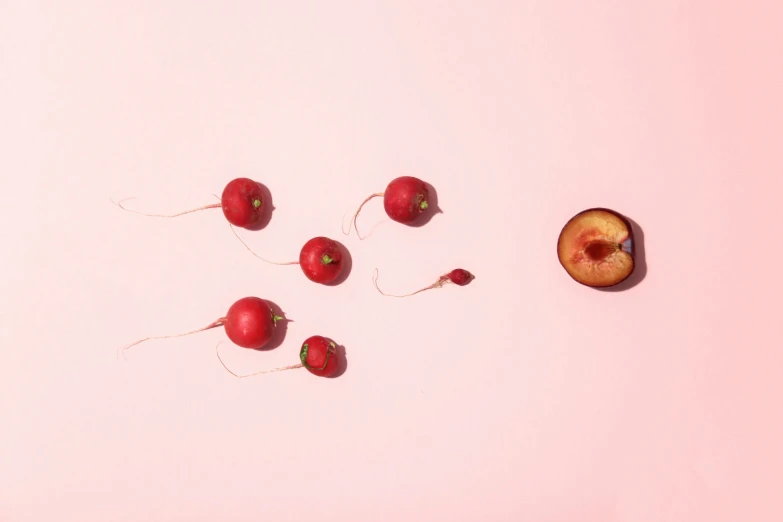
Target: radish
[(318, 355), (458, 276), (249, 323), (321, 259), (404, 200), (242, 203)]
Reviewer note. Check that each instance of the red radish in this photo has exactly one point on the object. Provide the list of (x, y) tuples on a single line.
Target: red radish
[(321, 259), (249, 323), (318, 355), (404, 200), (458, 276), (242, 203)]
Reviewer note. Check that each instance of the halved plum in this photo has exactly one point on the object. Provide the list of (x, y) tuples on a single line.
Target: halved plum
[(596, 248)]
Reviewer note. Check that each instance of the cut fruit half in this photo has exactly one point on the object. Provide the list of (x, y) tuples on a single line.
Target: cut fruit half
[(596, 248)]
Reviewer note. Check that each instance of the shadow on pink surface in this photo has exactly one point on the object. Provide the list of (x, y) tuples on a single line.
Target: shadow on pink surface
[(640, 270), (281, 330), (347, 265), (432, 210), (342, 360), (269, 207)]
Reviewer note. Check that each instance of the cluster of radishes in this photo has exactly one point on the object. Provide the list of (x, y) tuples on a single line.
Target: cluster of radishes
[(251, 322)]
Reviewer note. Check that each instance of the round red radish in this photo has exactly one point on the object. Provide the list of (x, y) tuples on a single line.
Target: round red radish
[(250, 322), (405, 199), (319, 356), (459, 276), (321, 260), (242, 202)]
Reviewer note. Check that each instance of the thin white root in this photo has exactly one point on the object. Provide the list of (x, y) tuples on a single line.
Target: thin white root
[(122, 349), (437, 284), (205, 207), (283, 368), (259, 257), (356, 215)]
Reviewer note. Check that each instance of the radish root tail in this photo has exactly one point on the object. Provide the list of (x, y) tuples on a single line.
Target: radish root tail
[(205, 207), (356, 215), (282, 368), (437, 284), (259, 257), (122, 349)]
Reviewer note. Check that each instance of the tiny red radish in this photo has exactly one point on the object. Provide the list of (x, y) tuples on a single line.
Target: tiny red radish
[(404, 200), (250, 323), (458, 276), (318, 355), (242, 202), (321, 259)]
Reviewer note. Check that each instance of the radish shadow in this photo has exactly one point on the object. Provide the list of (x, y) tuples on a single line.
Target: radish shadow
[(281, 330), (342, 360), (640, 268), (432, 210), (269, 207), (347, 266)]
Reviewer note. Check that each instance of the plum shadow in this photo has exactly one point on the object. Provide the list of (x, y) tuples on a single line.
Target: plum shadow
[(347, 265), (640, 268), (269, 207), (281, 330)]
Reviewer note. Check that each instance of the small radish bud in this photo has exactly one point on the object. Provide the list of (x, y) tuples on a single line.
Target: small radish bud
[(457, 276), (460, 277)]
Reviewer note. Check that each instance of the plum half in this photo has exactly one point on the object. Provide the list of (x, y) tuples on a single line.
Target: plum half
[(595, 247)]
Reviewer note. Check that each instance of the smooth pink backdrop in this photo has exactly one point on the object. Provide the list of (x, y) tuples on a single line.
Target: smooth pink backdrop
[(523, 397)]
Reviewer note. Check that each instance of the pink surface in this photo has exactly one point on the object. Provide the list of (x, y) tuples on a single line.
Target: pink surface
[(523, 396)]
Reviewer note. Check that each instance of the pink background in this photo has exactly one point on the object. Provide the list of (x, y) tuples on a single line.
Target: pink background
[(524, 396)]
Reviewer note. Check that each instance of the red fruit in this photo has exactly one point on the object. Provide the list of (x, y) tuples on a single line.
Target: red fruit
[(321, 260), (595, 248), (242, 202), (459, 276), (250, 322), (405, 198), (319, 356)]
